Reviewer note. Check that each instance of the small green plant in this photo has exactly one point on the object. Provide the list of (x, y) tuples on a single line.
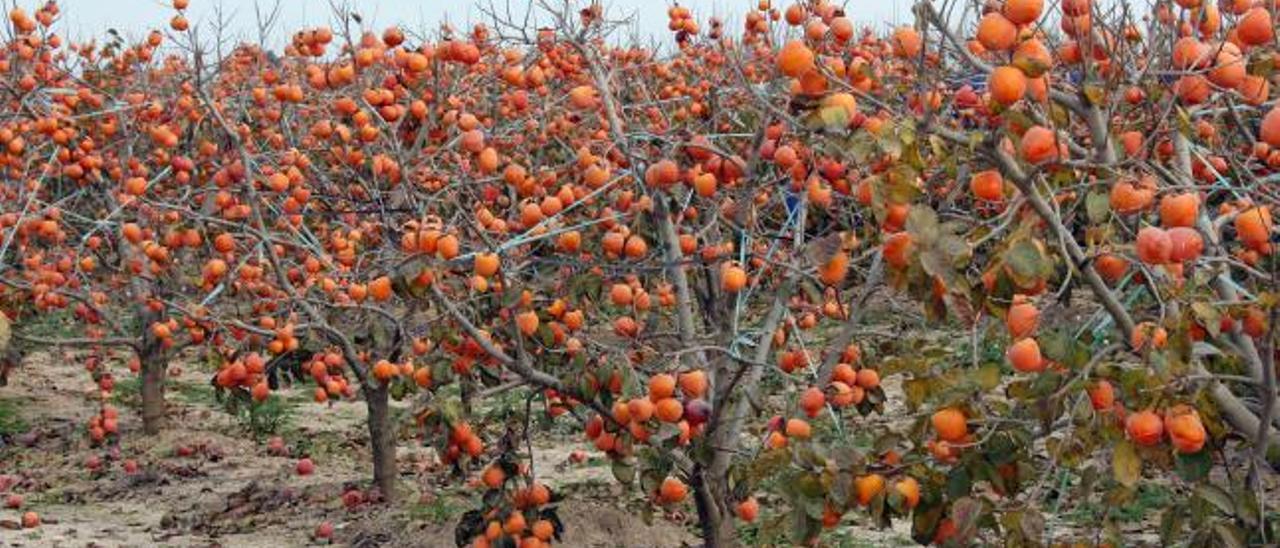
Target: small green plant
[(128, 392), (267, 417), (10, 422), (440, 509), (262, 418)]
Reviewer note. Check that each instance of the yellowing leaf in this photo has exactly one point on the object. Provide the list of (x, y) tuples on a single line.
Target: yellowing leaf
[(1126, 464)]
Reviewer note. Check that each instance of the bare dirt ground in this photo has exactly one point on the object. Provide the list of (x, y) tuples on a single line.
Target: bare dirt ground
[(231, 492)]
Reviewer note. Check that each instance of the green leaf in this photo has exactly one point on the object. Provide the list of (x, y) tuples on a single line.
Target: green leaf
[(1026, 262), (1216, 496), (623, 471), (803, 527), (959, 483), (1194, 467), (1126, 464), (1171, 524), (810, 486), (986, 377)]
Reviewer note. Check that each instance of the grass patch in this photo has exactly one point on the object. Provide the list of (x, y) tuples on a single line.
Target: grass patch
[(194, 394), (440, 510), (1149, 497), (128, 392), (10, 422)]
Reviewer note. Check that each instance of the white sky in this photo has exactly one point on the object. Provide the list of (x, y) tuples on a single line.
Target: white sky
[(87, 18)]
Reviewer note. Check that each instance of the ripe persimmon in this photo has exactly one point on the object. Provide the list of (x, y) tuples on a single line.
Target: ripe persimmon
[(1007, 84), (1254, 225), (906, 42), (812, 400), (1185, 244), (486, 264), (672, 490), (693, 383), (747, 510), (987, 185), (798, 428), (733, 278), (1039, 145), (1024, 356), (950, 424), (1102, 395), (1022, 12), (1145, 428), (1154, 246), (1255, 27), (909, 489), (1022, 319), (1186, 431), (897, 249), (867, 487), (996, 32), (795, 59), (669, 410)]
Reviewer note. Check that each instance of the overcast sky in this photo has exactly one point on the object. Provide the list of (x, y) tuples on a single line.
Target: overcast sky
[(87, 18)]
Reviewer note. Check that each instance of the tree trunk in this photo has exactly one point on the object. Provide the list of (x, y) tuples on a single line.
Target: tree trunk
[(154, 369), (154, 364), (383, 441), (714, 518)]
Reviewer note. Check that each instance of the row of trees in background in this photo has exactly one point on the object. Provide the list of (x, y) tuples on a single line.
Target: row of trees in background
[(676, 248)]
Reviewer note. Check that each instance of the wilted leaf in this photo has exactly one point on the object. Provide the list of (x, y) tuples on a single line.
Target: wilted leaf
[(834, 117), (915, 390), (965, 513), (922, 224), (1095, 94), (5, 333), (1126, 464), (1098, 207), (1230, 535), (1208, 316)]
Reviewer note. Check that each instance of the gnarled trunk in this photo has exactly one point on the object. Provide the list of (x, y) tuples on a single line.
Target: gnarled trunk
[(383, 441)]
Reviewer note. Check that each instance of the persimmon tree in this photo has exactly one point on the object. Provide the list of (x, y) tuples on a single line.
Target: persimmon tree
[(676, 248), (82, 250)]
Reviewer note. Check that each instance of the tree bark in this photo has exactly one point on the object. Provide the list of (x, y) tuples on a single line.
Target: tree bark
[(154, 367), (383, 441), (714, 519)]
